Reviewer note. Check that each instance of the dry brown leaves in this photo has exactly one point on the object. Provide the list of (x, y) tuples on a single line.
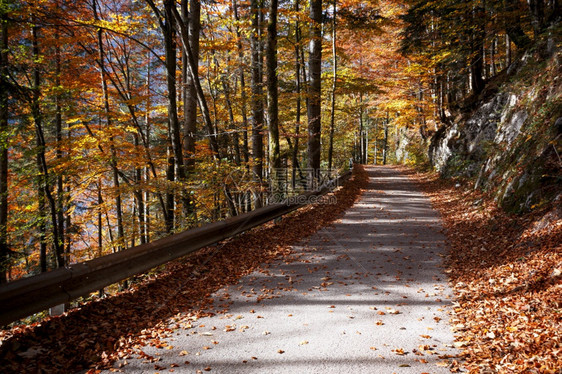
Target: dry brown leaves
[(506, 273), (100, 332)]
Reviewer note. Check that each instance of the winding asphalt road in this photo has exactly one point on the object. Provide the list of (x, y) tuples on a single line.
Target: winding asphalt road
[(365, 295)]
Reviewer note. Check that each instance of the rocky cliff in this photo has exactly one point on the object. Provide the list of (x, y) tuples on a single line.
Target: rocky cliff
[(510, 139)]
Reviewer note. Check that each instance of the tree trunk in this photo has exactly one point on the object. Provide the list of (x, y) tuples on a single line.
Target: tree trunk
[(243, 97), (366, 161), (139, 196), (41, 149), (361, 131), (4, 115), (42, 226), (100, 220), (385, 145), (477, 51), (314, 89), (173, 121), (555, 11), (235, 137), (257, 98), (192, 69), (298, 49), (507, 50), (59, 153), (113, 152), (334, 83), (273, 97), (493, 57), (513, 24), (375, 136), (193, 19), (536, 8)]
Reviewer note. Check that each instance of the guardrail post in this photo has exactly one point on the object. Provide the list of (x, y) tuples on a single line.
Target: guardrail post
[(57, 310)]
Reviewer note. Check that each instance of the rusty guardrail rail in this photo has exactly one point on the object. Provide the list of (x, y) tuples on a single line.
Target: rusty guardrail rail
[(30, 295)]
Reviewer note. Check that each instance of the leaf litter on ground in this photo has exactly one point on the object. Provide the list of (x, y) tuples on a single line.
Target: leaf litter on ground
[(100, 332), (506, 273)]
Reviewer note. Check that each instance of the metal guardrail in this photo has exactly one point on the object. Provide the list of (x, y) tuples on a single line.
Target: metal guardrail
[(30, 295)]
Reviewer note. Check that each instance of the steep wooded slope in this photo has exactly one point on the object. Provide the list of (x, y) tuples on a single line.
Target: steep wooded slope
[(509, 138)]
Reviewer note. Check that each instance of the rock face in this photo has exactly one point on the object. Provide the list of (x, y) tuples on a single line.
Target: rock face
[(511, 143)]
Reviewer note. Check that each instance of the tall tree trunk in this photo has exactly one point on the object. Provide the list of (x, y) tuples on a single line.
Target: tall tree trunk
[(361, 131), (273, 97), (536, 8), (477, 50), (42, 226), (375, 136), (512, 22), (113, 152), (298, 81), (170, 197), (139, 196), (366, 160), (100, 220), (41, 149), (192, 69), (493, 57), (315, 87), (243, 96), (4, 251), (257, 97), (149, 167), (507, 50), (334, 83), (193, 19), (385, 145), (235, 137), (173, 121), (59, 153), (555, 11)]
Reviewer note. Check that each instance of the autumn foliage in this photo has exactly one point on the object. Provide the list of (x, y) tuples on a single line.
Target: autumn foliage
[(125, 121)]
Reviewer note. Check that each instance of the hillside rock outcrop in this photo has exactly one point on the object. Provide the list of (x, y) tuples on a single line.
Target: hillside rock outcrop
[(511, 142)]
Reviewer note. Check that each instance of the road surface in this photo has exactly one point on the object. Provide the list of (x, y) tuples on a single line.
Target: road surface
[(365, 295)]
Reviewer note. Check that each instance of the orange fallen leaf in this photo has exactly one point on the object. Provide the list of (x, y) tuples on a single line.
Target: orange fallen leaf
[(399, 351)]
